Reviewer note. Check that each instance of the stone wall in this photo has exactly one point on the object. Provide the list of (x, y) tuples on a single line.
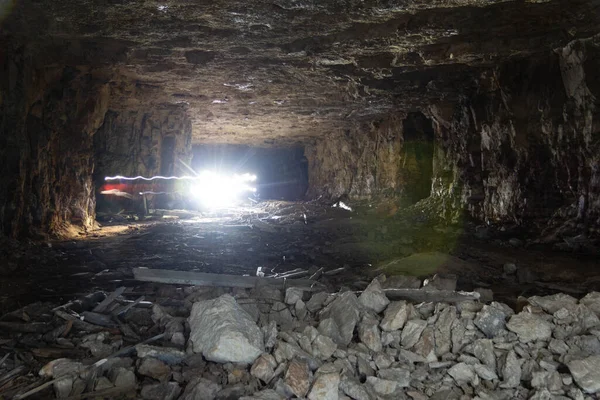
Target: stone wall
[(142, 142), (372, 160), (526, 144), (48, 115)]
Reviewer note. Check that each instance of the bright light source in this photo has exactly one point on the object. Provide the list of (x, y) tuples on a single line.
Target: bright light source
[(215, 190)]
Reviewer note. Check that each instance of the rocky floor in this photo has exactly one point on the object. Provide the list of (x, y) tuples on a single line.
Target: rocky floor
[(64, 335)]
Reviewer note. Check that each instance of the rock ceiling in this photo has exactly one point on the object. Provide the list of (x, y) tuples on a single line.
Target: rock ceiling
[(250, 71)]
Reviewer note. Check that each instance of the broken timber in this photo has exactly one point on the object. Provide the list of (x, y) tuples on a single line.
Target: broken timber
[(434, 296), (222, 280)]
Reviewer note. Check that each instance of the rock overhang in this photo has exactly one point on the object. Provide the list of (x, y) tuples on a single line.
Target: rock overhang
[(288, 71)]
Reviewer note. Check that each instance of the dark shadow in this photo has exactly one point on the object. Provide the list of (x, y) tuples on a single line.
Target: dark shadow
[(417, 156)]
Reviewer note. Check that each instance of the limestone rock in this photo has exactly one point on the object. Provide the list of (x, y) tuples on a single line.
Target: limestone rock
[(323, 347), (462, 373), (529, 327), (553, 303), (511, 371), (325, 387), (368, 333), (399, 375), (200, 388), (383, 387), (155, 369), (586, 373), (167, 355), (161, 391), (293, 295), (316, 301), (297, 378), (353, 389), (340, 317), (264, 367), (373, 298), (491, 320), (592, 301), (395, 316), (412, 332), (223, 332)]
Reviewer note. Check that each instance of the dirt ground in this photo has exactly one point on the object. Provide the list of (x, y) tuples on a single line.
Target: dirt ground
[(279, 237)]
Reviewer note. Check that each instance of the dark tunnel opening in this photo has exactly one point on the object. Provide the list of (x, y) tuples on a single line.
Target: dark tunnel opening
[(417, 157)]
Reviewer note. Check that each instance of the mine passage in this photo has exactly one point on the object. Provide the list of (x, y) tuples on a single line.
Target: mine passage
[(299, 199)]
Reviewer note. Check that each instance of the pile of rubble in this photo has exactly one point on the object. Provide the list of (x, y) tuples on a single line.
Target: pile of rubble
[(268, 343)]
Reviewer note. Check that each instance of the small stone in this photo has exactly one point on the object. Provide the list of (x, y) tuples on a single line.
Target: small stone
[(558, 346), (353, 389), (103, 383), (316, 301), (491, 320), (301, 310), (340, 317), (383, 387), (592, 301), (369, 334), (462, 373), (178, 339), (399, 375), (167, 355), (553, 303), (264, 367), (383, 360), (325, 387), (373, 297), (395, 316), (323, 347), (511, 371), (529, 327), (483, 349), (155, 369), (297, 378), (161, 391), (548, 380), (586, 373), (123, 377), (200, 388), (293, 295), (270, 334), (412, 332), (485, 372), (510, 268)]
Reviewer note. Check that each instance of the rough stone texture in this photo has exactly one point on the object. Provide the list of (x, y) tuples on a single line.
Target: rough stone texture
[(223, 332), (339, 318), (373, 297), (264, 367), (491, 320), (529, 327), (161, 391), (154, 368), (297, 378), (395, 316), (48, 117), (586, 373), (325, 387)]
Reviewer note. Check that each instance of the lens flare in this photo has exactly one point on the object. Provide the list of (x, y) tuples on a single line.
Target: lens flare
[(215, 190)]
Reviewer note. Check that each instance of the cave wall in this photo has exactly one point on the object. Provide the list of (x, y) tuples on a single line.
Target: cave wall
[(142, 142), (525, 146), (48, 116), (384, 158)]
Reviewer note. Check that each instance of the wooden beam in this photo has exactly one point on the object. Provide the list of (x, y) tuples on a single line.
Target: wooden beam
[(222, 280)]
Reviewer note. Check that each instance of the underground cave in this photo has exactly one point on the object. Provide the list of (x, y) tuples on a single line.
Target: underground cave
[(300, 199)]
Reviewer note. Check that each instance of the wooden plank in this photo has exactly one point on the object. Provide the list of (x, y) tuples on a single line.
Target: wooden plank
[(222, 280), (109, 299), (434, 296)]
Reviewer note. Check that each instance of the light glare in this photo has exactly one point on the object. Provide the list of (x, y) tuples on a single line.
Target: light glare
[(215, 190)]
